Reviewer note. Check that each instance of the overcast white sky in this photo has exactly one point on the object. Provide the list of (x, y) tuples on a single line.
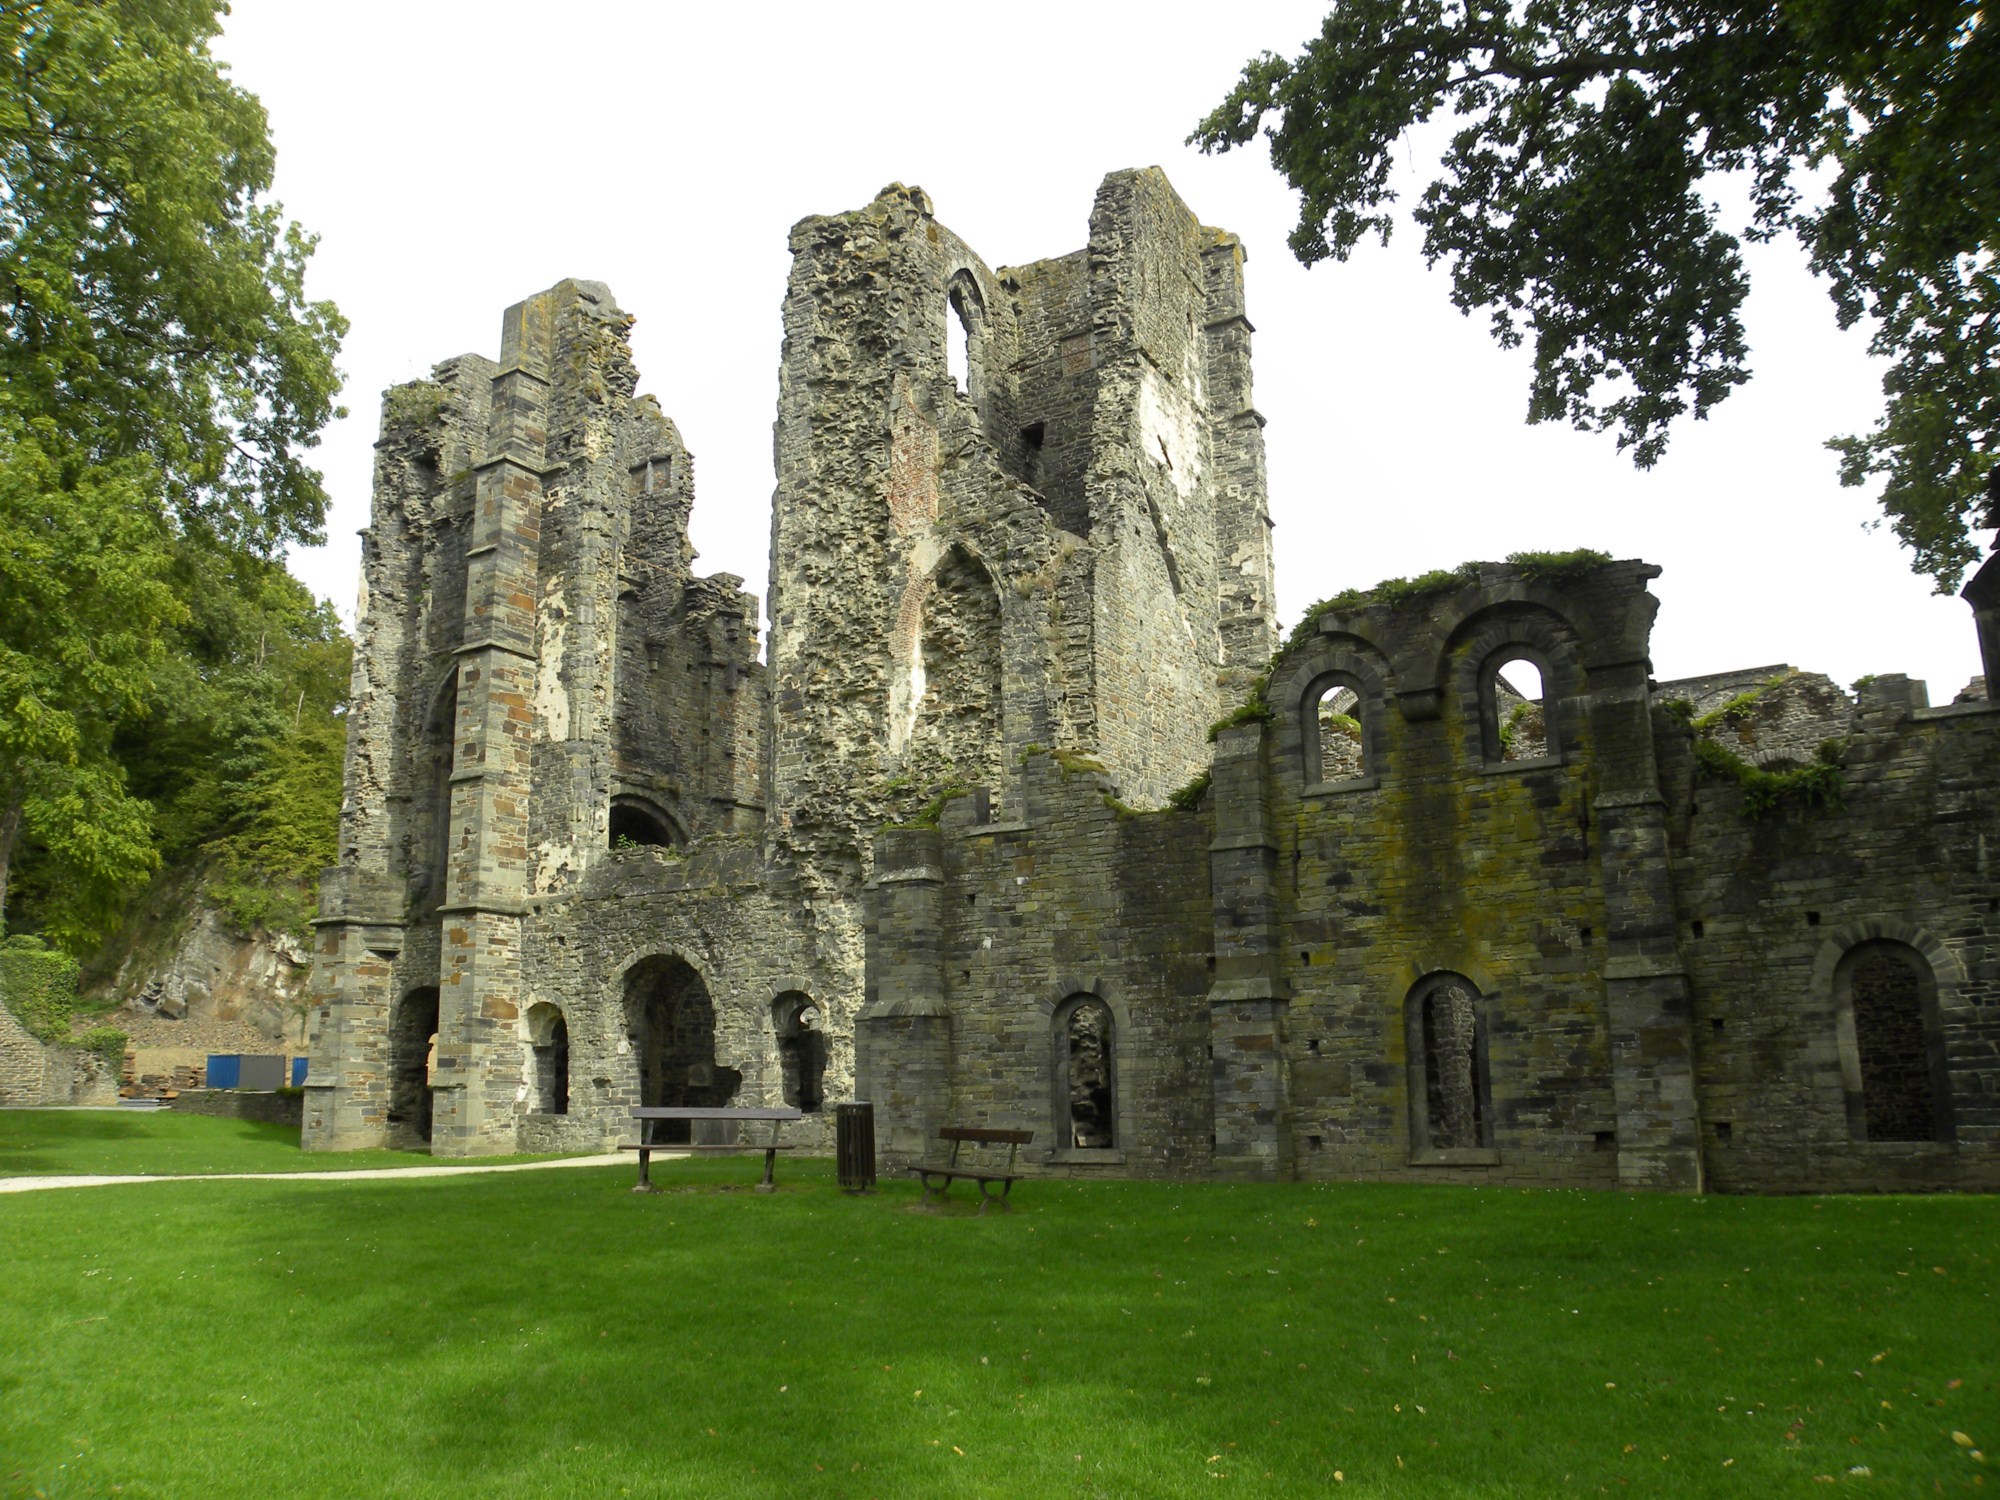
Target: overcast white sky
[(456, 157)]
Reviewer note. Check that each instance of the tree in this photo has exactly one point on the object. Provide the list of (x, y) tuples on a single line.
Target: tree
[(162, 377), (1570, 202)]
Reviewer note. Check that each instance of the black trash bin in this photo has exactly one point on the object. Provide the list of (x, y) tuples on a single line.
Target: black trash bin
[(854, 1145)]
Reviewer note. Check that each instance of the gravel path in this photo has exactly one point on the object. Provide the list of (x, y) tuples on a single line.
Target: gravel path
[(30, 1184)]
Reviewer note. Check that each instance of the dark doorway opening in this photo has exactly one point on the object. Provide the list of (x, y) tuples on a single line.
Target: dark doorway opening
[(670, 1020), (801, 1051), (413, 1066)]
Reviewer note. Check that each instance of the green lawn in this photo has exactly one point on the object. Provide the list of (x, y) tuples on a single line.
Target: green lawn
[(160, 1143), (553, 1334)]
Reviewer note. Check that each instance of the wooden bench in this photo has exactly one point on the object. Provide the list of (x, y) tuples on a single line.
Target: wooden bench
[(650, 1121), (949, 1170)]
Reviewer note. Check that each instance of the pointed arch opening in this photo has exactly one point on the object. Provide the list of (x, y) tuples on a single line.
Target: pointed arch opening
[(955, 684)]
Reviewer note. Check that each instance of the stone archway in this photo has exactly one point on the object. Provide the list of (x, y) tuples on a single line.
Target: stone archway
[(412, 1060), (670, 1021)]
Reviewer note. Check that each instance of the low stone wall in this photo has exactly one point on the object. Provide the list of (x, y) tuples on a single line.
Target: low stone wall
[(236, 1104), (33, 1072)]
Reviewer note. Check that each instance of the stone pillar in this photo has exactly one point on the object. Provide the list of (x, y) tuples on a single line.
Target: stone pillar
[(1246, 591), (1982, 592), (1647, 1003), (357, 937), (486, 868), (902, 1038), (1248, 998)]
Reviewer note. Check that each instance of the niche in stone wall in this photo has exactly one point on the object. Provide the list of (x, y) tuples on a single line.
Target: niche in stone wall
[(1086, 1054), (670, 1022), (1886, 996), (429, 836), (548, 1040), (1450, 1094), (801, 1034), (956, 726)]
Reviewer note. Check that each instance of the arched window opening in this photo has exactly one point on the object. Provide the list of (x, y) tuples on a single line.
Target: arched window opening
[(1520, 714), (670, 1021), (1085, 1047), (635, 825), (801, 1051), (548, 1033), (1336, 737), (413, 1034), (1889, 989), (955, 683), (958, 338), (1448, 1087)]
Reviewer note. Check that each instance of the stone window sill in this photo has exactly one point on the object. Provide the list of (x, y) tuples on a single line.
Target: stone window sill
[(1915, 1148), (1538, 763), (1464, 1156), (1088, 1156), (1341, 788)]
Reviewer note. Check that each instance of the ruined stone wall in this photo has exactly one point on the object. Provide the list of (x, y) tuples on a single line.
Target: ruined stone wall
[(1769, 906), (1074, 898), (1151, 489), (527, 513), (1442, 860), (732, 919)]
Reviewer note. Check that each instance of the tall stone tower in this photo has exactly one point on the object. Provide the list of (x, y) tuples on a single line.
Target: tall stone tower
[(537, 675), (1059, 538)]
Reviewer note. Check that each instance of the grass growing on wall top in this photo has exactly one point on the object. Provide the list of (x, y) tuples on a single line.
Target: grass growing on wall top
[(1399, 593), (552, 1334)]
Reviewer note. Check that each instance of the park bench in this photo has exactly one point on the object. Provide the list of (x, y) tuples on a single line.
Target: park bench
[(652, 1119), (945, 1172)]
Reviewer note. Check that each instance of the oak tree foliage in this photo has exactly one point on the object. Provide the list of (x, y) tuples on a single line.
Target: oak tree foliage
[(163, 377), (1577, 201)]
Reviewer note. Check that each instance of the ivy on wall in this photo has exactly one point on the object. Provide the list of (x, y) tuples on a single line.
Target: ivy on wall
[(38, 984)]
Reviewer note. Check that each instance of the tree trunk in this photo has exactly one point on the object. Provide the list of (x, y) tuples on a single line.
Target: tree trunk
[(10, 830)]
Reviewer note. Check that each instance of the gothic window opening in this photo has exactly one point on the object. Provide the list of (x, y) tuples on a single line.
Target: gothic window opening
[(1889, 989), (413, 1033), (1085, 1051), (548, 1032), (670, 1022), (1336, 735), (801, 1051), (960, 312), (1450, 1101), (955, 732)]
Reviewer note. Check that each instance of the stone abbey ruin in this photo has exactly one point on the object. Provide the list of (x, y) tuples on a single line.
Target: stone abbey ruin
[(1451, 891)]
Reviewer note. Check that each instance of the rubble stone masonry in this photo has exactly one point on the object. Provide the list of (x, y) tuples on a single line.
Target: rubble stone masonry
[(967, 818)]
